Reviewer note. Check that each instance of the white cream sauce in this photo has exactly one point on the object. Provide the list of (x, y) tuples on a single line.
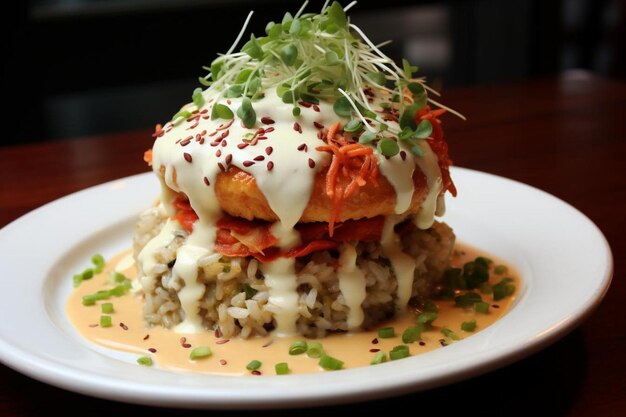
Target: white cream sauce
[(352, 285), (280, 278), (279, 151), (403, 265)]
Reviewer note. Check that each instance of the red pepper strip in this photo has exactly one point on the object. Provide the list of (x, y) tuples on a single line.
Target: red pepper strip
[(185, 214)]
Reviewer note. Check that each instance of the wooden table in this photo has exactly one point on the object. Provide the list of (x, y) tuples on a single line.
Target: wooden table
[(566, 136)]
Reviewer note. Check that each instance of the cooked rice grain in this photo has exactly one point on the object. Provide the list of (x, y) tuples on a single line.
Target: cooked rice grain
[(228, 306)]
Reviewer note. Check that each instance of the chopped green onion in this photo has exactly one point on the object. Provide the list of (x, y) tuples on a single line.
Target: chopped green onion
[(411, 334), (281, 368), (329, 363), (449, 333), (483, 261), (468, 326), (98, 261), (298, 347), (119, 290), (253, 365), (399, 352), (105, 321), (500, 269), (454, 278), (503, 289), (475, 273), (468, 299), (314, 350), (386, 332), (379, 357), (107, 308), (78, 279), (118, 278), (145, 361), (200, 352), (427, 317), (90, 299), (481, 307)]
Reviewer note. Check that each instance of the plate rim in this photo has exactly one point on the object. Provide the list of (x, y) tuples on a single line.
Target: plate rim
[(48, 372)]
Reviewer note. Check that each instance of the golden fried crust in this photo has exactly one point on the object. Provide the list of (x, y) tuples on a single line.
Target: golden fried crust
[(239, 196)]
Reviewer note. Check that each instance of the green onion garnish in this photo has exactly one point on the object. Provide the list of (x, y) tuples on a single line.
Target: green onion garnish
[(449, 333), (314, 350), (281, 368), (105, 321), (475, 273), (379, 357), (329, 363), (468, 326), (253, 365), (427, 318), (200, 352), (98, 261), (500, 269), (298, 347), (399, 352), (107, 308), (145, 361), (481, 307), (386, 332), (503, 289), (468, 299), (411, 334)]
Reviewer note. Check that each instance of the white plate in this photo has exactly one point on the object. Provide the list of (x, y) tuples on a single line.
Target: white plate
[(564, 260)]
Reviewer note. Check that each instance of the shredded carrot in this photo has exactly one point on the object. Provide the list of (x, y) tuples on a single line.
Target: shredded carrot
[(351, 160)]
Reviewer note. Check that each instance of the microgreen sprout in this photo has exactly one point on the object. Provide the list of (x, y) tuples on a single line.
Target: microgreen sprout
[(319, 56)]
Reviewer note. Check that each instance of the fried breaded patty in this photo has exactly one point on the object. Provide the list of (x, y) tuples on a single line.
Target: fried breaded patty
[(239, 196)]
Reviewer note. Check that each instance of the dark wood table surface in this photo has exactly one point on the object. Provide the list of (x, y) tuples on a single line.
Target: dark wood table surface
[(564, 135)]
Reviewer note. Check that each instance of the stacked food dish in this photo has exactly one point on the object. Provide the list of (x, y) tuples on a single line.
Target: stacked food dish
[(299, 189)]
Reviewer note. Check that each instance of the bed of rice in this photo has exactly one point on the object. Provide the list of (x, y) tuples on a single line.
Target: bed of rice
[(236, 298)]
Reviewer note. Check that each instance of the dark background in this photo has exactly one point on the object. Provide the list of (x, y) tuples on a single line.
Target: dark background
[(74, 68)]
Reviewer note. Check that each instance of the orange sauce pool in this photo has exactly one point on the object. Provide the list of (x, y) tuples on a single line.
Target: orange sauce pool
[(171, 350)]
